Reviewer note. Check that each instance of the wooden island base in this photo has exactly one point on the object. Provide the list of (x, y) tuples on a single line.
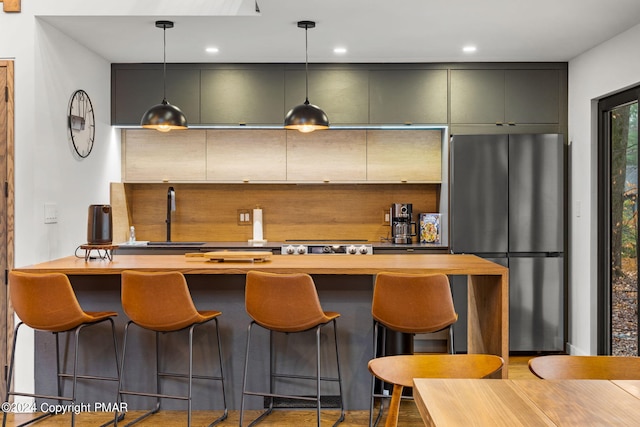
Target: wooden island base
[(345, 285)]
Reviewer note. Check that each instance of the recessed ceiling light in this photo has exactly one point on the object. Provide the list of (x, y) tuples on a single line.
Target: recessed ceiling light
[(340, 50), (469, 49), (212, 50)]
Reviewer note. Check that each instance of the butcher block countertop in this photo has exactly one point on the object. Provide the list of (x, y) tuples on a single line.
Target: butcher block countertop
[(311, 264)]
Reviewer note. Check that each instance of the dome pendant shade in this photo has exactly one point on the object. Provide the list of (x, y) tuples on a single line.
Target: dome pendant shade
[(306, 118), (164, 117)]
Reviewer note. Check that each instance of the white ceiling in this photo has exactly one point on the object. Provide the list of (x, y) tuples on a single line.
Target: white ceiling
[(371, 30)]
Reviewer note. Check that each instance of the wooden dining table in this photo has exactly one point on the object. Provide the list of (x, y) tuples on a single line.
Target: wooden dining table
[(535, 402)]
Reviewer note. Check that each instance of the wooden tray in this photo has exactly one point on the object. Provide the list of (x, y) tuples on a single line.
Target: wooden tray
[(252, 256)]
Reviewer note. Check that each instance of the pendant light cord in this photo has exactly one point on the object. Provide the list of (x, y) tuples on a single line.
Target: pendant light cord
[(164, 67), (306, 62)]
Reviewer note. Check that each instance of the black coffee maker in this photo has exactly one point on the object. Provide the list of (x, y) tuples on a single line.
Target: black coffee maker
[(402, 228)]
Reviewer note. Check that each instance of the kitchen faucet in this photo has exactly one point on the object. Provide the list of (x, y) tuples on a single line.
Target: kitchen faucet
[(171, 207)]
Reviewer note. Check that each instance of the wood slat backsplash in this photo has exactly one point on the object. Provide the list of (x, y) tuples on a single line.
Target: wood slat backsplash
[(208, 212)]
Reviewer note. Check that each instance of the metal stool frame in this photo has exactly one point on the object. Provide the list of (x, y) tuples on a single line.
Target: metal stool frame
[(62, 375), (376, 331), (273, 375), (190, 376)]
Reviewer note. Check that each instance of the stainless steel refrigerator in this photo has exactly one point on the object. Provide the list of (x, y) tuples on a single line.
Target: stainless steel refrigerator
[(507, 205)]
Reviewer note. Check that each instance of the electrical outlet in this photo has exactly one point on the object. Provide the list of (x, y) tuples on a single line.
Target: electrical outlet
[(386, 217), (50, 213), (244, 217)]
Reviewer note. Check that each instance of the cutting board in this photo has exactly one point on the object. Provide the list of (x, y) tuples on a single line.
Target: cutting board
[(234, 256)]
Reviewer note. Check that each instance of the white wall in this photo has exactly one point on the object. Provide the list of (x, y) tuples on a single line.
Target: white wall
[(49, 67), (601, 71)]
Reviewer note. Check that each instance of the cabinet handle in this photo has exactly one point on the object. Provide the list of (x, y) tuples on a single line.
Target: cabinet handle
[(512, 124), (499, 124)]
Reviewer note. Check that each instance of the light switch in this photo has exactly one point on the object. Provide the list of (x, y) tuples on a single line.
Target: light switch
[(50, 213), (244, 217)]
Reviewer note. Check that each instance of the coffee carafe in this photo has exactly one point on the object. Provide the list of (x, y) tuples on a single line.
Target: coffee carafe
[(402, 228)]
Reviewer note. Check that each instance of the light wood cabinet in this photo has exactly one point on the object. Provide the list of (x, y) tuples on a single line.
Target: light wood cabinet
[(152, 156), (404, 156), (252, 155), (281, 156), (328, 156)]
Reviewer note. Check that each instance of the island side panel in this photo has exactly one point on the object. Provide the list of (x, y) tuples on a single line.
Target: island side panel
[(488, 316)]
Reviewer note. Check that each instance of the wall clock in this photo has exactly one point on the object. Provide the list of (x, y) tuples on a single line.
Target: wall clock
[(81, 123)]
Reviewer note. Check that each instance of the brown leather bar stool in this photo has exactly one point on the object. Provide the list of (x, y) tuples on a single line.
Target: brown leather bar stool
[(287, 303), (401, 370), (161, 302), (47, 302), (410, 304)]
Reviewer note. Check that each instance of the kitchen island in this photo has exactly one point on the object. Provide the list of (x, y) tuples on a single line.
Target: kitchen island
[(345, 284)]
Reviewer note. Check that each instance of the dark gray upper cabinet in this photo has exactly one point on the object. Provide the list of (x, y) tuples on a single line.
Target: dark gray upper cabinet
[(408, 96), (243, 96), (477, 96), (532, 96), (505, 97), (342, 94), (469, 98), (135, 90)]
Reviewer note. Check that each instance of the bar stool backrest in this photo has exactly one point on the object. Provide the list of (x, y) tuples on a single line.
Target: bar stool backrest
[(45, 301), (566, 367), (159, 301), (283, 302), (402, 369), (413, 303)]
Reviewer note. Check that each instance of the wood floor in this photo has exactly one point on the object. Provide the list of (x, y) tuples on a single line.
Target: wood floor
[(409, 416)]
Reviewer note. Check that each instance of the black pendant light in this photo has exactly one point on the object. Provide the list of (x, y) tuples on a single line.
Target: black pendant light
[(164, 116), (306, 117)]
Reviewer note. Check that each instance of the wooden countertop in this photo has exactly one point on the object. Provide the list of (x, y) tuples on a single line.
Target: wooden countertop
[(312, 264), (488, 284)]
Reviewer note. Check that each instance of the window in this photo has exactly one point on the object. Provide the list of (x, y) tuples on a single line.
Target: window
[(618, 224)]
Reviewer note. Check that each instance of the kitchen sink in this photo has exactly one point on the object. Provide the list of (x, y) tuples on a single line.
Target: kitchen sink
[(175, 243)]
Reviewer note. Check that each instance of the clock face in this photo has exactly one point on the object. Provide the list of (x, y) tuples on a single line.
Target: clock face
[(81, 123)]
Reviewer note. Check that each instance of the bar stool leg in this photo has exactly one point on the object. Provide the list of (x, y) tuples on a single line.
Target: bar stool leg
[(383, 340), (190, 375), (451, 343), (318, 405), (335, 340), (225, 413), (10, 379)]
